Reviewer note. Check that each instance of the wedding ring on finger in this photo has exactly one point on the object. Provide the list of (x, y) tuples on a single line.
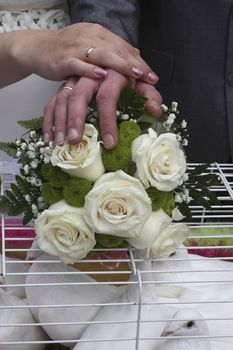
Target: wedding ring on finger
[(67, 88), (88, 52)]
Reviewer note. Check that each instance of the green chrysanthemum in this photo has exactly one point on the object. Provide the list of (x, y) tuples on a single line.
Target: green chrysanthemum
[(75, 190), (47, 170), (128, 131), (51, 194), (54, 175), (108, 241), (117, 158)]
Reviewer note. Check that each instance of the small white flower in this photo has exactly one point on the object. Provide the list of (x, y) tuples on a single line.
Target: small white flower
[(18, 142), (164, 108), (40, 144), (46, 160), (185, 142), (26, 168), (171, 117), (183, 124), (32, 134), (34, 164), (35, 210), (31, 155), (178, 198), (125, 117), (18, 154), (31, 146), (23, 146), (27, 198), (174, 106)]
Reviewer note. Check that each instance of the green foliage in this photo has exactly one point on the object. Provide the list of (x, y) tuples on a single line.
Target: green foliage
[(47, 170), (200, 179), (51, 194), (54, 175), (75, 190), (128, 131), (13, 202), (185, 210), (130, 103), (117, 158), (161, 200), (33, 124), (9, 148), (108, 241)]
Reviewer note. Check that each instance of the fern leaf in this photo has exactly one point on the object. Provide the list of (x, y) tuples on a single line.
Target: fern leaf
[(9, 148), (33, 124)]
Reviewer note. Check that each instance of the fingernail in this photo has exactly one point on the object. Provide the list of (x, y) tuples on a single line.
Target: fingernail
[(101, 72), (137, 72), (72, 134), (108, 140), (153, 77), (59, 138), (46, 137)]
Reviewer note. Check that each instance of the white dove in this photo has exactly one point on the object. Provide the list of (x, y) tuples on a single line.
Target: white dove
[(64, 294), (192, 263), (189, 323), (15, 274), (214, 301), (13, 315), (123, 313)]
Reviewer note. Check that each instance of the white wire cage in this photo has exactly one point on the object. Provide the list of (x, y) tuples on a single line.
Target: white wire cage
[(119, 299)]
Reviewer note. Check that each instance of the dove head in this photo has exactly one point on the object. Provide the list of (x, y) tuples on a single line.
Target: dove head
[(186, 322)]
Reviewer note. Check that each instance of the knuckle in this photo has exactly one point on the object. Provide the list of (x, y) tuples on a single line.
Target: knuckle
[(103, 97), (61, 97)]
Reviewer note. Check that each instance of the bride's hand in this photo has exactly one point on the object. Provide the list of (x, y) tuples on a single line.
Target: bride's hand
[(65, 114), (79, 49)]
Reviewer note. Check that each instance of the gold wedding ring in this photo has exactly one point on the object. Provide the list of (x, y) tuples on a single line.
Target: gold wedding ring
[(89, 51), (67, 87)]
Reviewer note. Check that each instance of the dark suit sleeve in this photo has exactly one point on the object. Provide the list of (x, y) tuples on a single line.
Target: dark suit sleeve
[(119, 16)]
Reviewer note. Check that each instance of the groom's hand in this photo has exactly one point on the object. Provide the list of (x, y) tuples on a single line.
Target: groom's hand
[(65, 114)]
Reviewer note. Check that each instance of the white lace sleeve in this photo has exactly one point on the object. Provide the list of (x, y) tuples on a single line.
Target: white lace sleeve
[(33, 19), (20, 5)]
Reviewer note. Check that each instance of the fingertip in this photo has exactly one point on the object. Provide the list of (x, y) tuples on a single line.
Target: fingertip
[(73, 136), (46, 137), (109, 141), (154, 109), (100, 73)]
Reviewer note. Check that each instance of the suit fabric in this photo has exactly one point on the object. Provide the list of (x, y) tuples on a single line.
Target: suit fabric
[(189, 44)]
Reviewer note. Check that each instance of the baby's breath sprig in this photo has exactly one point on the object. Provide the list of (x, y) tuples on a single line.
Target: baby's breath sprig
[(171, 123)]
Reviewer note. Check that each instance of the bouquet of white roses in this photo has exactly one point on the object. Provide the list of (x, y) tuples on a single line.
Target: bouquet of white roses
[(82, 196)]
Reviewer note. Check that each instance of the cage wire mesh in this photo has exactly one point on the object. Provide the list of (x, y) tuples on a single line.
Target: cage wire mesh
[(143, 295)]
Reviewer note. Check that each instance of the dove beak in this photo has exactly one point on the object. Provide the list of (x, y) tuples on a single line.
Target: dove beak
[(166, 333)]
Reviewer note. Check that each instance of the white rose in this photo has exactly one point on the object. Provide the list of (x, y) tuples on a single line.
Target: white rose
[(168, 241), (83, 159), (157, 221), (159, 159), (117, 205), (62, 231)]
